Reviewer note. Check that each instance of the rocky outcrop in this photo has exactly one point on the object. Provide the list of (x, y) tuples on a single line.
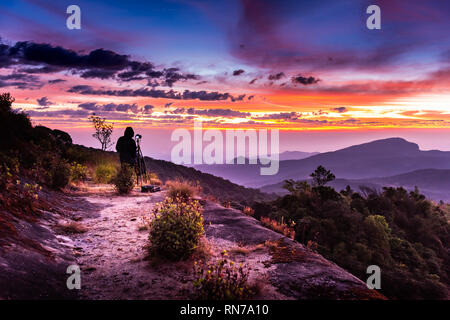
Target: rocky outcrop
[(112, 252), (287, 266)]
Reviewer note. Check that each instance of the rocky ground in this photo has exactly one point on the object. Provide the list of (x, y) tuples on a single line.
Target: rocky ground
[(106, 235)]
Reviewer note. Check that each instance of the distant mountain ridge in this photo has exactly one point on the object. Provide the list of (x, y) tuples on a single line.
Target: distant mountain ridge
[(433, 183), (296, 155), (380, 158)]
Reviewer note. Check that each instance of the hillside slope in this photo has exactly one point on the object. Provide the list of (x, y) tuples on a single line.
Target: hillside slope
[(220, 188)]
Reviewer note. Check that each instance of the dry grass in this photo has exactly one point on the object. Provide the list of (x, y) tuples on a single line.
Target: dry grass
[(246, 250), (144, 224), (280, 227), (182, 189), (282, 252), (153, 179), (211, 198), (71, 227), (155, 182), (248, 211)]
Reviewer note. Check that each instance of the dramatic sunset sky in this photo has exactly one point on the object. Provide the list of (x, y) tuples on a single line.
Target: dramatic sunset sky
[(310, 68)]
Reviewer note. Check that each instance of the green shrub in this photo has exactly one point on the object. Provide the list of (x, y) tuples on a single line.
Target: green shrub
[(18, 197), (78, 172), (181, 189), (60, 175), (176, 228), (105, 173), (221, 280), (124, 180)]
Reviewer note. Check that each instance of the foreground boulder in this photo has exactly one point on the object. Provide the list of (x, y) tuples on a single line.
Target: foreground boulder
[(290, 270)]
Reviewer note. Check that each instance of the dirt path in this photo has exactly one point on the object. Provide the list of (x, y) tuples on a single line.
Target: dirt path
[(112, 254), (115, 264)]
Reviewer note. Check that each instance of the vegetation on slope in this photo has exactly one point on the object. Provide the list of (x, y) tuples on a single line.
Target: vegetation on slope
[(216, 187), (402, 232)]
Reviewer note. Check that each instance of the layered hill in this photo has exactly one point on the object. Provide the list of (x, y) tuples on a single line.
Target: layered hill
[(380, 158), (433, 183)]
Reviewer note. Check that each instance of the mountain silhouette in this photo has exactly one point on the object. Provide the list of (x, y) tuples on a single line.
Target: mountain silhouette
[(433, 183), (380, 158)]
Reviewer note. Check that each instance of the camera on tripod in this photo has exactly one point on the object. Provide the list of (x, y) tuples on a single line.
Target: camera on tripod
[(141, 168)]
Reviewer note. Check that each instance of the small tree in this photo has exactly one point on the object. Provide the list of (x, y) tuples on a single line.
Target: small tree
[(322, 176), (6, 101), (103, 131)]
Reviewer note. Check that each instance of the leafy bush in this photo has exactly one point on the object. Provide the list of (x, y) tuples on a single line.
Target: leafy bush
[(60, 175), (125, 179), (52, 171), (78, 172), (16, 196), (176, 228), (105, 173), (181, 189), (221, 280)]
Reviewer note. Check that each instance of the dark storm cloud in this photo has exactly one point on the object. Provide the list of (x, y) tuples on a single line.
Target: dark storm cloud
[(299, 79), (148, 108), (340, 109), (154, 93), (5, 59), (58, 113), (173, 75), (80, 89), (99, 63), (20, 81), (155, 74), (18, 76), (56, 81), (280, 116), (238, 72), (229, 113), (44, 102), (98, 73), (277, 76), (41, 70), (113, 107)]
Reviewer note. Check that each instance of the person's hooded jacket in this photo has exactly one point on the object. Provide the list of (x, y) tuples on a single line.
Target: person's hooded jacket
[(126, 146)]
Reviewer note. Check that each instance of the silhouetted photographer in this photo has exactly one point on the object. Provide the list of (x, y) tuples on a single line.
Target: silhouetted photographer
[(126, 146), (131, 154)]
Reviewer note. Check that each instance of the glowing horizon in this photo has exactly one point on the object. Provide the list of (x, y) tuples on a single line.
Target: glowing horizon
[(239, 64)]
